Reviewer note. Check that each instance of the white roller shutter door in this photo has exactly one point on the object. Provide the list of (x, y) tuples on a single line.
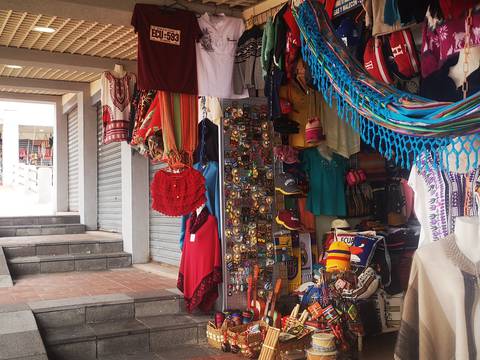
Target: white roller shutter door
[(164, 232), (109, 182), (72, 131)]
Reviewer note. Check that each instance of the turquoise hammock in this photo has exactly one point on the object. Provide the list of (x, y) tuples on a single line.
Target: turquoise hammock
[(400, 125)]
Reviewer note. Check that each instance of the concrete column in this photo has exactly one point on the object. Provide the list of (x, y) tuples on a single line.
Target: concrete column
[(87, 154), (10, 149), (135, 204), (60, 159)]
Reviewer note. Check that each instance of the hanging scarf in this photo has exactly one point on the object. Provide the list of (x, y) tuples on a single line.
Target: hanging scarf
[(175, 116)]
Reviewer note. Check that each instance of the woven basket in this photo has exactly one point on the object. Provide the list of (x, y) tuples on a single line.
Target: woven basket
[(295, 344), (216, 336), (248, 344)]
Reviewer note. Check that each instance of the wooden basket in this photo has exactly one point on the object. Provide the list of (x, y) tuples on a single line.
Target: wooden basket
[(295, 344), (248, 344), (216, 336)]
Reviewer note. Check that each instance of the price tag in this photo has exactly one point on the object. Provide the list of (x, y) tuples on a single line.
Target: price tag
[(192, 237)]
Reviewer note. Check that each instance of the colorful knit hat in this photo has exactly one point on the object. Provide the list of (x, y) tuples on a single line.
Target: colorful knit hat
[(338, 257), (314, 131)]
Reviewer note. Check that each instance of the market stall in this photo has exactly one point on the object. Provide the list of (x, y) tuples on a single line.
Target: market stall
[(309, 156)]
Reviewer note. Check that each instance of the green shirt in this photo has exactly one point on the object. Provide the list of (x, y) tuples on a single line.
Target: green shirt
[(326, 195)]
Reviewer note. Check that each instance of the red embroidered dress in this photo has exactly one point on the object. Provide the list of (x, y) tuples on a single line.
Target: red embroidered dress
[(201, 266), (116, 94)]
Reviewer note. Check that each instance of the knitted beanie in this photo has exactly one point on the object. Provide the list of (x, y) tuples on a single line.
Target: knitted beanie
[(314, 131), (338, 258)]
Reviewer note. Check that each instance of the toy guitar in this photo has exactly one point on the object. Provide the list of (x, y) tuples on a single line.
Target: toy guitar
[(274, 319), (258, 305)]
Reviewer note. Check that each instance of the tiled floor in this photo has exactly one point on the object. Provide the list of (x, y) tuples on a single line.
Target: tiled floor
[(76, 284)]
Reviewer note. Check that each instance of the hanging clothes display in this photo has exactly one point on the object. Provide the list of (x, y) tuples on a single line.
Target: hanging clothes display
[(440, 197), (169, 129), (341, 137), (215, 54), (406, 127), (327, 183), (200, 269), (207, 149), (210, 108), (142, 103), (268, 39), (376, 11), (247, 71), (439, 312), (166, 48), (177, 193), (446, 39), (116, 94), (209, 171)]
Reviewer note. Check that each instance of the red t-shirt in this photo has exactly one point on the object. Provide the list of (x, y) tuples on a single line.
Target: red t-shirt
[(166, 48)]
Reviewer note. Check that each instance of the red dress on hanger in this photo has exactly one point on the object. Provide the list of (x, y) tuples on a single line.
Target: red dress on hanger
[(201, 266)]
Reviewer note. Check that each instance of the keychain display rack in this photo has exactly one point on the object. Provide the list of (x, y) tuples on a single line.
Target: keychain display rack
[(249, 198)]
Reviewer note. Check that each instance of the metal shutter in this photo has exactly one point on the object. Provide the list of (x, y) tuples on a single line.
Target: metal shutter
[(164, 232), (109, 182), (72, 128)]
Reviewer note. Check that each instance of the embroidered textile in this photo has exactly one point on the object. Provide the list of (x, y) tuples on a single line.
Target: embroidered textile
[(116, 94), (445, 40)]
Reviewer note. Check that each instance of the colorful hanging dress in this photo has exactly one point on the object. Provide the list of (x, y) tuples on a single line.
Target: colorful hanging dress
[(201, 265)]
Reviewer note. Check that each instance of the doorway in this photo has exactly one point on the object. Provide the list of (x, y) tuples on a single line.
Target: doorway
[(27, 155)]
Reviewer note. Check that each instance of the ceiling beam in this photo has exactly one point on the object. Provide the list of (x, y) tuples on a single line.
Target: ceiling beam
[(41, 84), (23, 97), (259, 8), (47, 59), (102, 11)]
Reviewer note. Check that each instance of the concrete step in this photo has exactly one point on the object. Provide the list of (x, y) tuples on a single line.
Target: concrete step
[(44, 229), (63, 263), (183, 352), (152, 334), (62, 247), (19, 335), (116, 325), (5, 277), (39, 220)]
